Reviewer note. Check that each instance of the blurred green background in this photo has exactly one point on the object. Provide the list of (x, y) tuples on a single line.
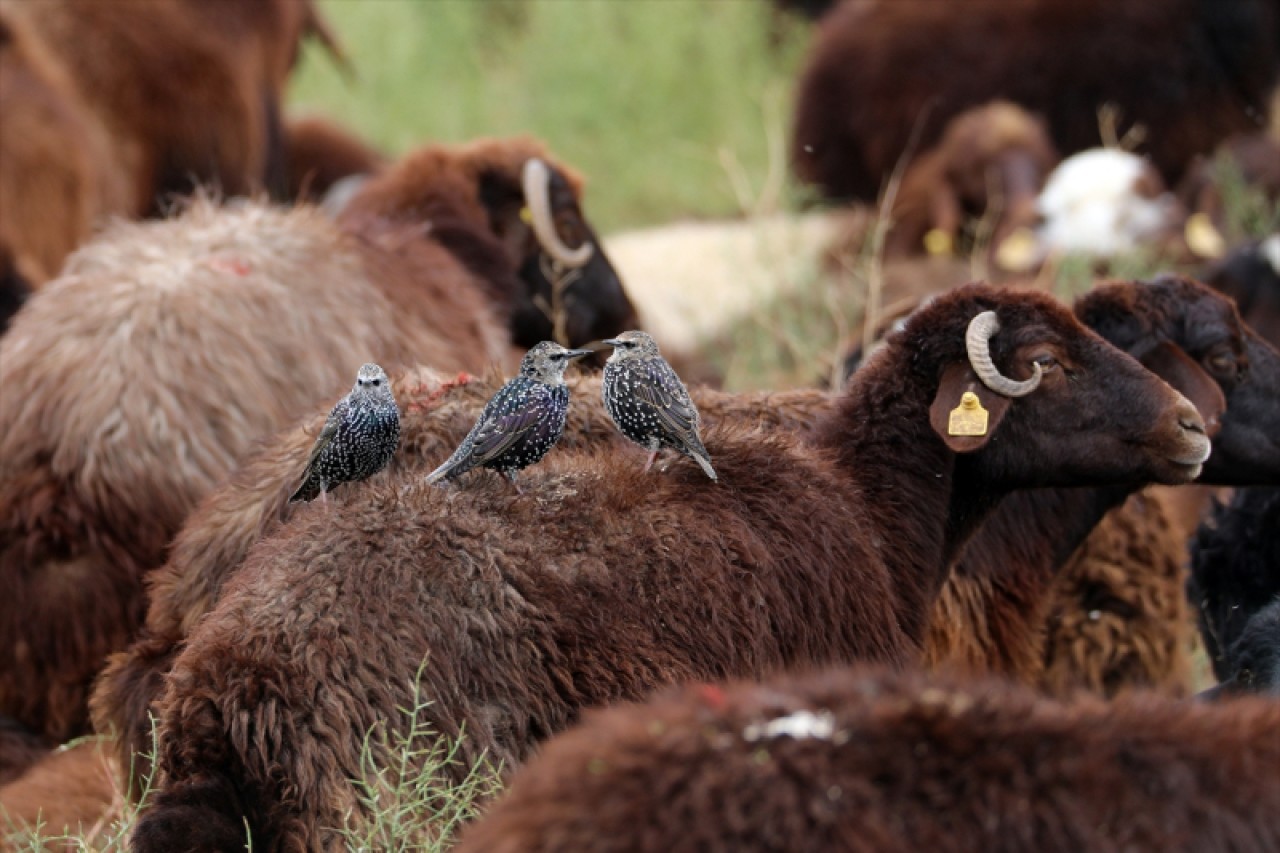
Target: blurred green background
[(671, 108)]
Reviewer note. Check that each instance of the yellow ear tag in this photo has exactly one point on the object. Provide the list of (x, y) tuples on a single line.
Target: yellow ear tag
[(1017, 253), (525, 216), (1203, 238), (968, 418), (938, 242)]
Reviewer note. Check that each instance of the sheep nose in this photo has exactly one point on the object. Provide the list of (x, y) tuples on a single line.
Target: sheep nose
[(1192, 425), (1189, 417)]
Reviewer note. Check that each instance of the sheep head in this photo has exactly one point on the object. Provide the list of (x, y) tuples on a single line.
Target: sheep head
[(1145, 318), (513, 215), (1063, 406)]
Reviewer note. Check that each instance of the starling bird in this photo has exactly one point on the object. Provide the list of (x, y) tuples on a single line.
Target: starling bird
[(648, 402), (521, 422), (358, 439)]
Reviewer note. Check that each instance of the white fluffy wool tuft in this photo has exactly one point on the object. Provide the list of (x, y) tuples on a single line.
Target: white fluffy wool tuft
[(1091, 206)]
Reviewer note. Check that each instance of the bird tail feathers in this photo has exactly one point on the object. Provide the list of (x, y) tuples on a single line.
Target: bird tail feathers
[(701, 459)]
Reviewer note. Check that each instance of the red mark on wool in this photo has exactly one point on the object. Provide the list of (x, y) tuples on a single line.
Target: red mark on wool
[(235, 266), (712, 695)]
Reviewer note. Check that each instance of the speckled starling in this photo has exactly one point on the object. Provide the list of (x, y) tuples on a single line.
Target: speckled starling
[(359, 436), (648, 402), (521, 422)]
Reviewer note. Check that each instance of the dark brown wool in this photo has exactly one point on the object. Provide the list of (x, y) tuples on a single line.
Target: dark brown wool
[(127, 424), (601, 583), (1191, 72), (253, 502), (858, 760)]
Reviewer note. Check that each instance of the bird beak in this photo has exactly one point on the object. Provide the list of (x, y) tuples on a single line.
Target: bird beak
[(613, 342), (577, 353)]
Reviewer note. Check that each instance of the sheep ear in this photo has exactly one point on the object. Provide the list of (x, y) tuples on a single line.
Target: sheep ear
[(964, 427), (1174, 366)]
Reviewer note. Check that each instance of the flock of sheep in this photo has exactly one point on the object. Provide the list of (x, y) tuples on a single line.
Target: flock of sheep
[(949, 606)]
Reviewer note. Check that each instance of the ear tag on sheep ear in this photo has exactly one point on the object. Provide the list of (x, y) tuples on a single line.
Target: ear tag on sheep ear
[(526, 216), (938, 242), (1203, 237), (968, 418)]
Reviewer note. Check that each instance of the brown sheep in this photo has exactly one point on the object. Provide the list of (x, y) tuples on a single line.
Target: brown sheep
[(146, 372), (320, 153), (1116, 615), (71, 789), (857, 760), (109, 108), (1016, 580), (217, 537), (401, 281), (54, 183), (523, 614), (990, 161), (251, 504), (1191, 72), (188, 91), (507, 210)]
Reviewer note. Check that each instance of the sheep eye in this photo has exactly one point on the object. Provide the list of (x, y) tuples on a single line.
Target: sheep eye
[(1246, 676), (1046, 361), (1222, 362)]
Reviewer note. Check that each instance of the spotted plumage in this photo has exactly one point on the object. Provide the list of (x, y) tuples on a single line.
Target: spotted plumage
[(521, 422), (358, 439), (648, 402)]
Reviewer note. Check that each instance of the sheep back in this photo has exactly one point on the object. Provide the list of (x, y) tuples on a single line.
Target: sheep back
[(147, 371), (870, 761)]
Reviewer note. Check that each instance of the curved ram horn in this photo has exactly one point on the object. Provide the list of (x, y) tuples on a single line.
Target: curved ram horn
[(537, 194), (977, 341)]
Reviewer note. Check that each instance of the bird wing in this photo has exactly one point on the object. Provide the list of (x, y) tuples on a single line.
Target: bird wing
[(664, 391), (495, 434), (327, 433)]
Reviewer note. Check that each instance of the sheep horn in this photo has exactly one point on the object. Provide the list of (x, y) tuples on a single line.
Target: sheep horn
[(977, 341), (537, 194)]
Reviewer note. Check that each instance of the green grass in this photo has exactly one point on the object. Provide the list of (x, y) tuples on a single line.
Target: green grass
[(671, 108), (407, 802)]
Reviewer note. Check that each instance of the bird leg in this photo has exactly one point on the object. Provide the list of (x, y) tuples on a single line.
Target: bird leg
[(653, 454), (511, 475)]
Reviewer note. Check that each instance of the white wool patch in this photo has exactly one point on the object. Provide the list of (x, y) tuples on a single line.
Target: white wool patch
[(1090, 206), (820, 725), (1270, 250)]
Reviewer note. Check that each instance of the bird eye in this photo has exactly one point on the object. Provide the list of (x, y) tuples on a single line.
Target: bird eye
[(1246, 676), (377, 382)]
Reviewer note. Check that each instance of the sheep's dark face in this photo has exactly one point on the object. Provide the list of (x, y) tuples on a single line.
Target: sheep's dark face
[(1097, 416), (574, 305), (1202, 324)]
